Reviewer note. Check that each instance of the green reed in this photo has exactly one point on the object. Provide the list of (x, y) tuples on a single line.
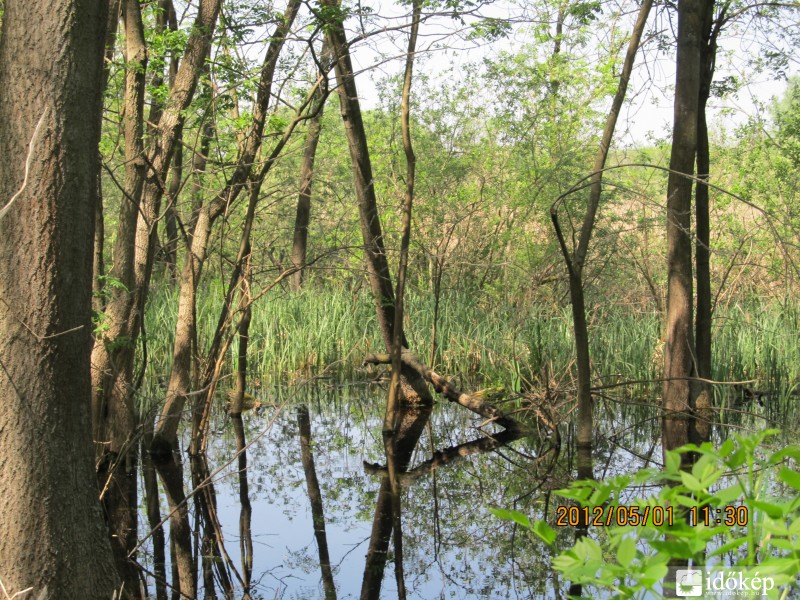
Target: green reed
[(327, 332)]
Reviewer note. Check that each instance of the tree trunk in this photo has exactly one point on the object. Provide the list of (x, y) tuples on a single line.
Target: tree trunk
[(98, 265), (246, 510), (152, 503), (115, 416), (374, 249), (53, 537), (179, 382), (315, 498), (411, 422), (701, 431), (679, 344), (112, 357), (575, 263), (303, 216)]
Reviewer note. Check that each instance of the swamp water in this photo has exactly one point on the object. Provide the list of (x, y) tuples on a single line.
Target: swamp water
[(452, 546)]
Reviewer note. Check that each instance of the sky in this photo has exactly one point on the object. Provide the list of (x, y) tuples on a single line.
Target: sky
[(649, 110)]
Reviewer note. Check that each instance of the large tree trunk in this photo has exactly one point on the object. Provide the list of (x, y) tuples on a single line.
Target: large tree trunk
[(679, 346), (53, 538)]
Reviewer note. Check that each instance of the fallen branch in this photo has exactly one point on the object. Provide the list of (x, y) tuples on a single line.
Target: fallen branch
[(447, 389)]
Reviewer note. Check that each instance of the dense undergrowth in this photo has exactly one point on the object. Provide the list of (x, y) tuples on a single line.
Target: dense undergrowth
[(485, 341)]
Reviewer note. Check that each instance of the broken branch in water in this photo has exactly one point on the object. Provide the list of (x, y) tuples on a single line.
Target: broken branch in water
[(448, 389)]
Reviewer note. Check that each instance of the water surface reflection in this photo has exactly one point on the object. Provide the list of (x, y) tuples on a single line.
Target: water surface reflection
[(305, 509)]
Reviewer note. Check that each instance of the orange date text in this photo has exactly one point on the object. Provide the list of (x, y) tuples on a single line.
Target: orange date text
[(609, 516)]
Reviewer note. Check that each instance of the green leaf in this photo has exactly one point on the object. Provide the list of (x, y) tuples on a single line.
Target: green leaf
[(792, 452), (729, 546), (653, 574), (545, 532), (673, 462), (626, 551), (511, 515), (691, 482), (790, 477), (774, 511), (729, 494)]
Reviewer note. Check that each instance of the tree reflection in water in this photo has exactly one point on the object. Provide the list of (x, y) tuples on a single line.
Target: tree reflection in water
[(310, 508)]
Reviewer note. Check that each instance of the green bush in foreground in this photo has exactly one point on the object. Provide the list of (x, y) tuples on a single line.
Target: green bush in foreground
[(737, 509)]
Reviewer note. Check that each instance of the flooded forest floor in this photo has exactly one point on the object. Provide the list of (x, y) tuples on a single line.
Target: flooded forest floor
[(306, 515)]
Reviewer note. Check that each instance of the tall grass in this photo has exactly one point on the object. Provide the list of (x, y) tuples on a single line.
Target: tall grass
[(327, 332)]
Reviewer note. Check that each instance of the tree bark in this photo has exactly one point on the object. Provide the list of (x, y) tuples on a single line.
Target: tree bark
[(303, 215), (114, 414), (576, 261), (112, 357), (53, 537), (701, 431), (98, 265), (179, 382), (679, 349), (374, 248)]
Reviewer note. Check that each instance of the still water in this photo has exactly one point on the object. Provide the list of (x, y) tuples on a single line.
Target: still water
[(321, 508), (320, 449)]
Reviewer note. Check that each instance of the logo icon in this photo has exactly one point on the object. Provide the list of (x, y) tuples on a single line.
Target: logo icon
[(689, 583)]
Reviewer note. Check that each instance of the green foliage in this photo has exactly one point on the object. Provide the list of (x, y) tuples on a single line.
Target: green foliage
[(738, 507), (490, 29), (786, 113)]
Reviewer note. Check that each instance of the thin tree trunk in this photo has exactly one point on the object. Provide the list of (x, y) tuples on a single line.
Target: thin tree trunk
[(179, 383), (575, 263), (115, 415), (98, 264), (170, 472), (411, 421), (98, 259), (112, 357), (374, 248), (392, 405), (243, 331), (679, 346), (303, 215), (315, 498), (153, 508), (245, 514), (53, 538), (701, 432), (171, 216)]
